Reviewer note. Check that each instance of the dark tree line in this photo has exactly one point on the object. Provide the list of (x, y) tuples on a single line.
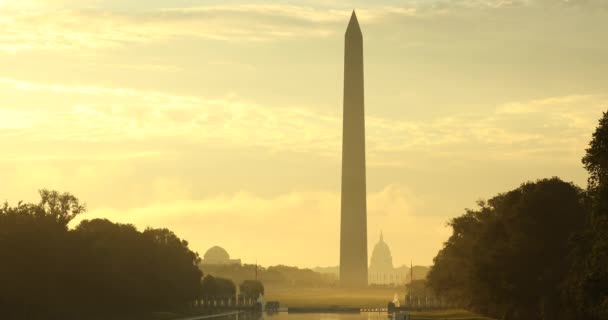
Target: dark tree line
[(279, 275), (537, 252), (217, 287), (251, 288), (48, 271)]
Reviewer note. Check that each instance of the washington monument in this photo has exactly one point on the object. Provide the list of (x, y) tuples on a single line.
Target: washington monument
[(353, 223)]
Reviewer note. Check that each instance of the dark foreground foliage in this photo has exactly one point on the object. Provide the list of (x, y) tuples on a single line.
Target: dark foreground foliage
[(537, 252), (50, 272)]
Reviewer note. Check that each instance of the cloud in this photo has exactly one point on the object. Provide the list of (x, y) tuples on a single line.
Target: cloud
[(70, 25), (106, 156), (69, 29), (552, 128), (120, 115)]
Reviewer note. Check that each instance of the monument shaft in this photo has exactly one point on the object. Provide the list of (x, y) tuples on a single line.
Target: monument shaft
[(353, 224)]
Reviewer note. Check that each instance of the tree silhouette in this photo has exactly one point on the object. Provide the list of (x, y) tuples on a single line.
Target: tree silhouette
[(99, 268), (592, 287), (218, 287), (540, 251), (506, 259), (251, 288)]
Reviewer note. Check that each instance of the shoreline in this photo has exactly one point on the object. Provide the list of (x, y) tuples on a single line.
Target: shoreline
[(210, 316)]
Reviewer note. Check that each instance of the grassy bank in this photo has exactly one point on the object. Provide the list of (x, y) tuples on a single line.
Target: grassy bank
[(364, 298), (316, 297), (447, 315)]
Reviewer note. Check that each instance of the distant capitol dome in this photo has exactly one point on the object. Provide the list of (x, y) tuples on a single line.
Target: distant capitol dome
[(381, 259), (381, 270), (217, 255)]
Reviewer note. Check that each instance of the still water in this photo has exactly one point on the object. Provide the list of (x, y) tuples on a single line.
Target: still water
[(308, 316)]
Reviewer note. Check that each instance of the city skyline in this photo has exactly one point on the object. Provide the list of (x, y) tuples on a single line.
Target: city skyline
[(149, 112)]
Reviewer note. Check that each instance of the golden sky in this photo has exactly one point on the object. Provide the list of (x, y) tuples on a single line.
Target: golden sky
[(221, 120)]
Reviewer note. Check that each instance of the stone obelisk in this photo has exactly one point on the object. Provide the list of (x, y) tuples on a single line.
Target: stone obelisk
[(353, 224)]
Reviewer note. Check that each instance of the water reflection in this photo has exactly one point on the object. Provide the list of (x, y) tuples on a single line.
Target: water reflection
[(327, 316), (307, 316)]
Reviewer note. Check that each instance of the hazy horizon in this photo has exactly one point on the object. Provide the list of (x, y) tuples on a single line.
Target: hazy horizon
[(221, 120)]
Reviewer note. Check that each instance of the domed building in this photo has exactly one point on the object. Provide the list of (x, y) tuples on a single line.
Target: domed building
[(218, 256), (381, 270)]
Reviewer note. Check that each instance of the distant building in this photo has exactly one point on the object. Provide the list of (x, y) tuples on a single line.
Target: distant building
[(381, 270), (218, 256)]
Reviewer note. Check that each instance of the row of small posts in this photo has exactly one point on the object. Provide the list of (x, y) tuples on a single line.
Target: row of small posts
[(226, 302), (426, 302)]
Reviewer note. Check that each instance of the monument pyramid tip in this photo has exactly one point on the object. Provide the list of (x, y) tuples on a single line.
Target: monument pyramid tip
[(354, 22)]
